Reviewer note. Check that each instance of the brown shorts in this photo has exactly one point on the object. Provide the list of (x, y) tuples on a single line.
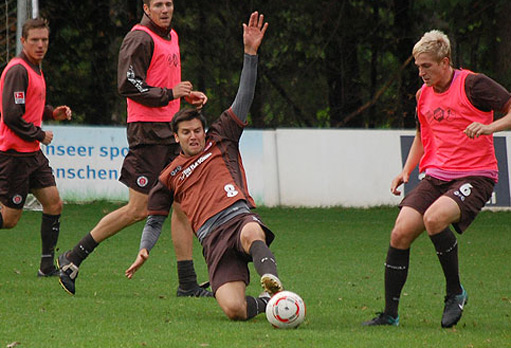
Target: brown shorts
[(470, 193), (224, 255), (20, 174), (143, 165)]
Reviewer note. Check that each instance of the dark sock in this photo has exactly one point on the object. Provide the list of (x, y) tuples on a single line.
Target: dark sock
[(50, 228), (82, 250), (256, 305), (186, 275), (396, 272), (264, 261), (446, 246)]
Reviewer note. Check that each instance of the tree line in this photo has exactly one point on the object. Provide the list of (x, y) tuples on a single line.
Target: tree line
[(324, 63)]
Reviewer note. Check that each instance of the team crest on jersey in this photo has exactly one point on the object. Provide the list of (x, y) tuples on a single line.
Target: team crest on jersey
[(142, 181), (19, 97), (173, 60), (17, 199), (175, 171)]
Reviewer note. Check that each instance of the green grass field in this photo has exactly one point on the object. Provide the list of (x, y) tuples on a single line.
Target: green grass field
[(332, 257)]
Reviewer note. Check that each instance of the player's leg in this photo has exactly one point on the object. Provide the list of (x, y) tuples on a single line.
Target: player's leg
[(50, 227), (14, 178), (9, 217), (236, 305), (231, 298), (182, 239), (109, 225), (253, 242), (437, 219), (458, 206), (408, 226)]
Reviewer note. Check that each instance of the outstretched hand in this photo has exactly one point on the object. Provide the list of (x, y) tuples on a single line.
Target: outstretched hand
[(142, 257), (253, 33)]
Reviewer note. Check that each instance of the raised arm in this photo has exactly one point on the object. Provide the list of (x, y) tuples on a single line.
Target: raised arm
[(253, 34)]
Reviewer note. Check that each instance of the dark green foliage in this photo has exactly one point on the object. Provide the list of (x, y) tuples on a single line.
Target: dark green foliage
[(325, 63)]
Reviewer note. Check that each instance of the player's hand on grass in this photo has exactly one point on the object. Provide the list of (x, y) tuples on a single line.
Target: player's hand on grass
[(402, 178), (142, 257)]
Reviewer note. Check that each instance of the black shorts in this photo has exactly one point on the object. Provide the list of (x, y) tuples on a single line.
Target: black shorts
[(470, 193), (223, 252), (20, 174), (143, 164)]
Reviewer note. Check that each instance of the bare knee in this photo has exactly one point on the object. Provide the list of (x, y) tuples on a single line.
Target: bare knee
[(10, 222), (136, 214), (400, 238), (54, 208), (10, 218), (250, 233), (235, 311), (433, 223)]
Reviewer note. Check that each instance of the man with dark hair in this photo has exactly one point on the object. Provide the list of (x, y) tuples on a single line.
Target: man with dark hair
[(453, 145), (149, 76), (23, 167), (209, 182)]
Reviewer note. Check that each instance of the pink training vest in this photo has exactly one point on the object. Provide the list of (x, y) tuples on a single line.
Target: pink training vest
[(443, 118), (34, 100), (164, 71)]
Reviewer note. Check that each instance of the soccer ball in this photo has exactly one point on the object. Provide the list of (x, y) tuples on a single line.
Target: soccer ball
[(285, 310)]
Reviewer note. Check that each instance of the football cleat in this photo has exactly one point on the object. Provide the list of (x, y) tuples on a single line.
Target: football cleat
[(271, 284), (454, 305), (54, 272), (199, 291), (382, 319), (68, 274)]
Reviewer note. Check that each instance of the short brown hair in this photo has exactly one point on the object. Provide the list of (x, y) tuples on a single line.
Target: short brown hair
[(187, 114), (35, 23)]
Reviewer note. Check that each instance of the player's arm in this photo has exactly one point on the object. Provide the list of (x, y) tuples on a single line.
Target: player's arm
[(414, 156), (486, 94), (253, 34), (134, 60), (412, 160), (14, 95), (150, 235), (159, 202)]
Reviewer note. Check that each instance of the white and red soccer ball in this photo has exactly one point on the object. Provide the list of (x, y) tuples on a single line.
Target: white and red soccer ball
[(285, 310)]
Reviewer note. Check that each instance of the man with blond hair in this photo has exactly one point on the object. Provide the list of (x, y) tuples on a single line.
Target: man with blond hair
[(453, 147)]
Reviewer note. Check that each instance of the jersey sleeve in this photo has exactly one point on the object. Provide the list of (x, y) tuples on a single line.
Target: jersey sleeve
[(160, 200), (245, 96), (485, 93)]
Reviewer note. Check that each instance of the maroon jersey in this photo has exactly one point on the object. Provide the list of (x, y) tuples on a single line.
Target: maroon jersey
[(211, 181)]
